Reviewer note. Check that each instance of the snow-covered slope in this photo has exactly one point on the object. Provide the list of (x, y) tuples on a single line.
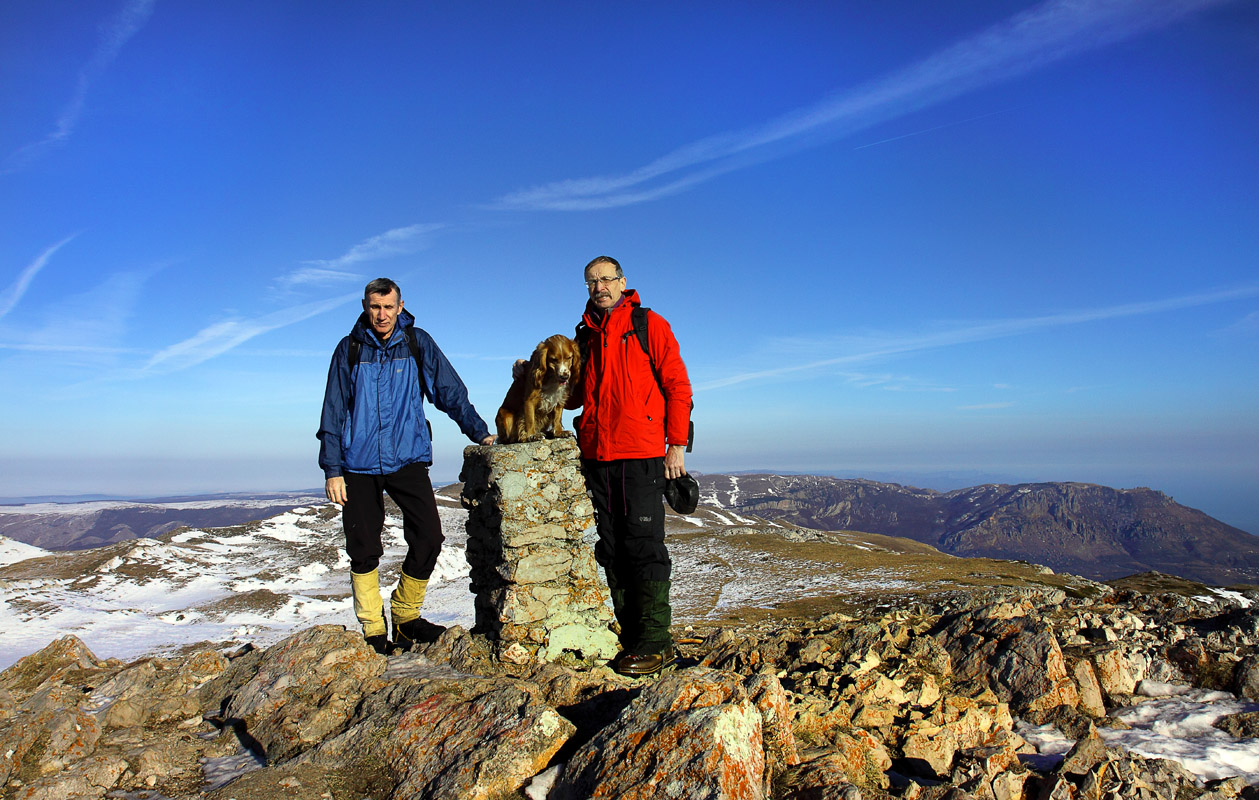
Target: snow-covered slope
[(84, 525), (259, 581), (12, 551), (248, 583)]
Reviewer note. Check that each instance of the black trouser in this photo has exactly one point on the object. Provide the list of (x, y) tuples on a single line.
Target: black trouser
[(364, 518), (629, 518)]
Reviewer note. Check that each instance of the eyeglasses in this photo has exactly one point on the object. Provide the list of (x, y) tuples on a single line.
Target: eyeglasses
[(605, 281)]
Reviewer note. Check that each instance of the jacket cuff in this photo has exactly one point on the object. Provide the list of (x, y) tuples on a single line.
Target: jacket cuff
[(331, 472)]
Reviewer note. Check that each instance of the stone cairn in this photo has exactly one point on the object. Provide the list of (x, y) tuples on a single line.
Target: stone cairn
[(537, 586)]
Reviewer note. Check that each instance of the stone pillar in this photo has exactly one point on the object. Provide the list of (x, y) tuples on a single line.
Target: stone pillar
[(538, 590)]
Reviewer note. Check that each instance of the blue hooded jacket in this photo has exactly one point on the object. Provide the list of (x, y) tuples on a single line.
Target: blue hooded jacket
[(373, 411)]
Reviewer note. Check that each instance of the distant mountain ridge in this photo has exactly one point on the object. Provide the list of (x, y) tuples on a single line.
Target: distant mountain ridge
[(1086, 529), (83, 525)]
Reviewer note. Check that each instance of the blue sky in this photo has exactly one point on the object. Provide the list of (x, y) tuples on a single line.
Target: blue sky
[(935, 242)]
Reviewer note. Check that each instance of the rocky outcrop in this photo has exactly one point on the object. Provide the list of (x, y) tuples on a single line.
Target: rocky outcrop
[(475, 740), (538, 592), (694, 734), (303, 690), (919, 701), (1009, 645)]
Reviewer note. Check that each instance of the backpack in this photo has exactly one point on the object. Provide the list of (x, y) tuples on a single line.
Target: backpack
[(638, 319)]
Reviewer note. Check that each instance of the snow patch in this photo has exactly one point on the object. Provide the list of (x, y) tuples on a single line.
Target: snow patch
[(13, 551), (1175, 723)]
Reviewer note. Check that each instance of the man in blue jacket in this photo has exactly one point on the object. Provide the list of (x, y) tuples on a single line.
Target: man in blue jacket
[(374, 439)]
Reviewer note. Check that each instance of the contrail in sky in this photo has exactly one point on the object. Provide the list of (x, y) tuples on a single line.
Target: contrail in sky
[(116, 33), (1032, 39), (933, 128), (222, 336), (10, 297), (393, 242), (992, 330)]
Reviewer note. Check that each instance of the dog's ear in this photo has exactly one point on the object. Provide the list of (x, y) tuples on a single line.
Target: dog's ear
[(574, 358), (537, 365)]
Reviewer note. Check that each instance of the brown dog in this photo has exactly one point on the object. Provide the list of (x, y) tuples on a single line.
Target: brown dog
[(535, 402)]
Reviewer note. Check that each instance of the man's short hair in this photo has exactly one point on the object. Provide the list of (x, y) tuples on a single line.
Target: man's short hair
[(383, 286), (605, 260)]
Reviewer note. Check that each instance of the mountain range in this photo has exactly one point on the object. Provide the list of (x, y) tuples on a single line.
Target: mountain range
[(259, 581), (84, 525), (1095, 531), (1089, 530)]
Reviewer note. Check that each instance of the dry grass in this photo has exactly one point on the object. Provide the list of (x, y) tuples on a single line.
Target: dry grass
[(750, 572)]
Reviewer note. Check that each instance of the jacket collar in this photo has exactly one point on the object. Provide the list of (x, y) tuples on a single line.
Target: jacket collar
[(362, 329), (595, 317)]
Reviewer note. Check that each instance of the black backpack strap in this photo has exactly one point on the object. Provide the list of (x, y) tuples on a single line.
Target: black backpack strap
[(352, 354), (638, 318), (414, 343)]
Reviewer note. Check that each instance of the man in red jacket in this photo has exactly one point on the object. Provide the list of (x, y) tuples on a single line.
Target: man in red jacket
[(633, 432)]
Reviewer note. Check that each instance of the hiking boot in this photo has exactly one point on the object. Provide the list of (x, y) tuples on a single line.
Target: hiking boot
[(379, 643), (418, 631), (649, 664)]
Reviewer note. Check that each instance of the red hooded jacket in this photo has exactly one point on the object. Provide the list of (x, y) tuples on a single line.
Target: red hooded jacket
[(624, 414)]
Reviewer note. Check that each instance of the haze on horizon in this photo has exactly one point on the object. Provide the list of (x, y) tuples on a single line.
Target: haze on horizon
[(992, 242)]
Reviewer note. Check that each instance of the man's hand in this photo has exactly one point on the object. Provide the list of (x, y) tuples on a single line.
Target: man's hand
[(335, 489), (489, 440), (518, 369), (673, 461)]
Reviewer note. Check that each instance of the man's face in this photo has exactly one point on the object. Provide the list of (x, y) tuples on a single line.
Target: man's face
[(382, 311), (604, 287)]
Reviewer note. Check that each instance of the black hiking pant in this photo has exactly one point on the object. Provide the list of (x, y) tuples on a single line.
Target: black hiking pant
[(364, 519), (629, 518)]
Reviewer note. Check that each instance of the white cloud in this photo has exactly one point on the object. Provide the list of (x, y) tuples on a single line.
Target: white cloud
[(397, 241), (10, 296), (67, 347), (1246, 326), (224, 335), (891, 383), (1025, 42), (220, 337), (316, 276), (114, 34), (896, 345)]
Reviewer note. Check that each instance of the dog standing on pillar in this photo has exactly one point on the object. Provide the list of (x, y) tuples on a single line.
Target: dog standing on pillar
[(633, 429), (374, 439)]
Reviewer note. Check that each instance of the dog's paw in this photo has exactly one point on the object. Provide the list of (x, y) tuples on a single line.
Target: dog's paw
[(537, 437)]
